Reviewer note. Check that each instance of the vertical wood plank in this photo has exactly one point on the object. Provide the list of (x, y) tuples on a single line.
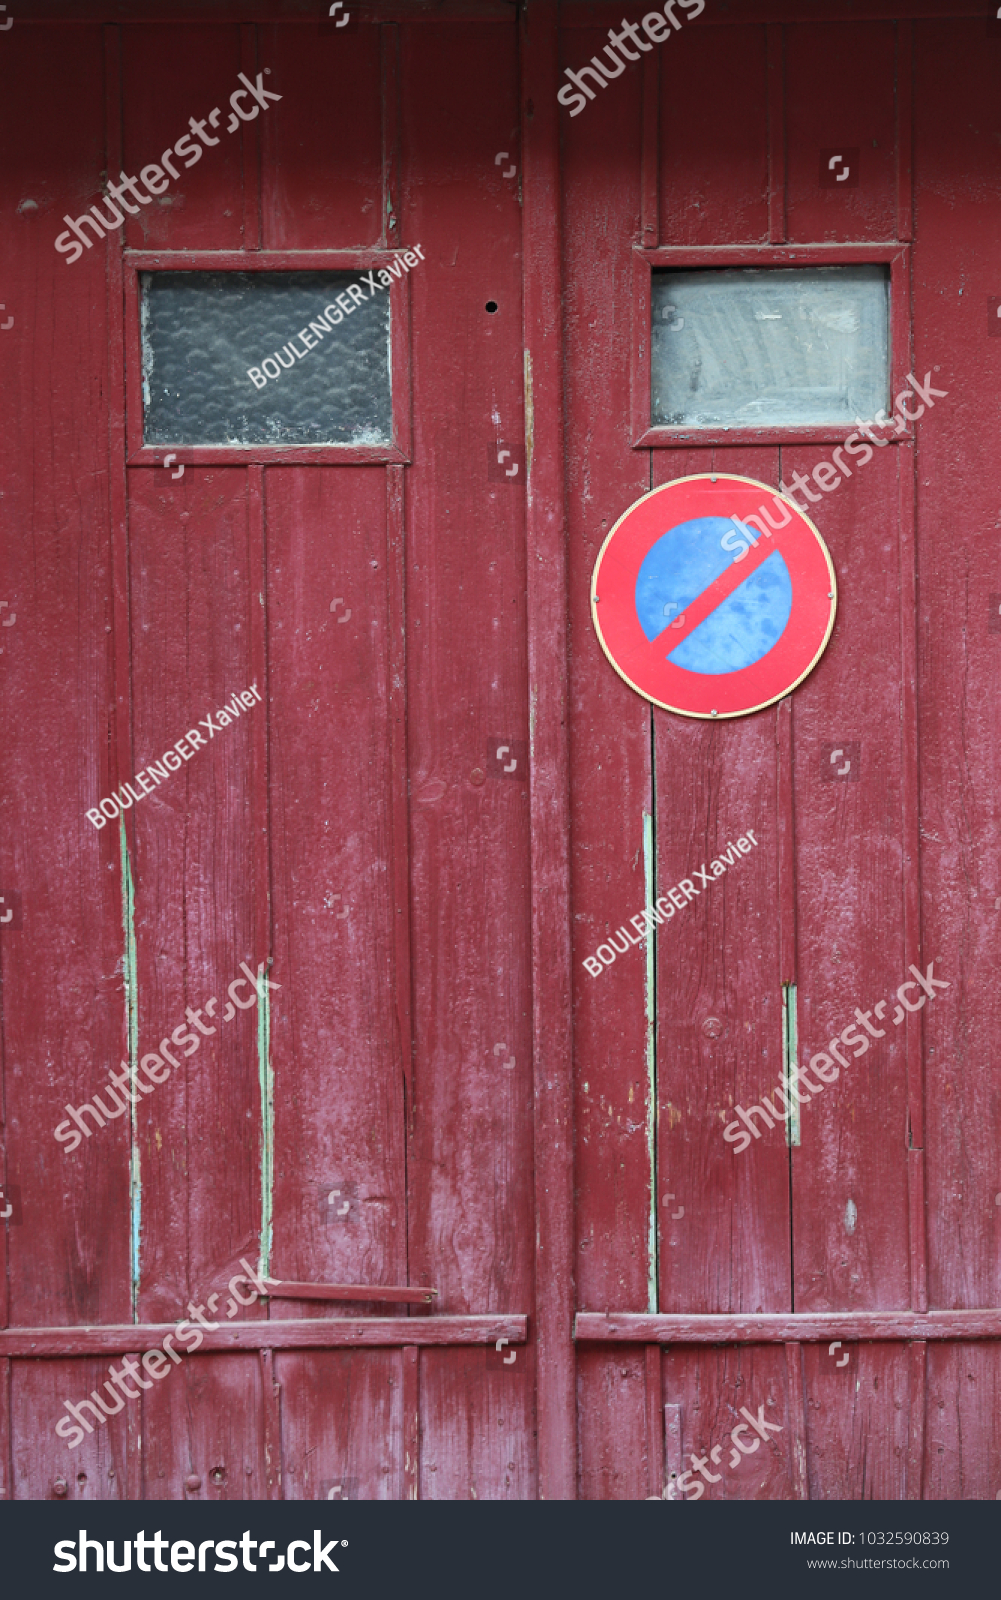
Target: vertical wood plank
[(917, 1410), (122, 646), (389, 35), (133, 1474), (905, 128), (6, 1442), (258, 586), (797, 1421), (549, 802), (271, 1406), (958, 663), (396, 695), (719, 993), (470, 1180), (917, 1230), (341, 1424), (61, 975), (321, 144), (713, 121), (785, 828), (168, 71), (673, 1467), (251, 144), (850, 1181), (411, 1422), (776, 134), (650, 155), (850, 103), (654, 1420)]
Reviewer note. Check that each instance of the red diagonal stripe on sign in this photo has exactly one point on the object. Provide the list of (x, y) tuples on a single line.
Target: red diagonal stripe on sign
[(719, 590)]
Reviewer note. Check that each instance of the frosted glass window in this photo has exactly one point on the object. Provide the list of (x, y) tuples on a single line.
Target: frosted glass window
[(769, 347), (203, 331)]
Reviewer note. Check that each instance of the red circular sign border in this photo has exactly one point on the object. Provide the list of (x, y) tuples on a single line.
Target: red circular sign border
[(735, 490)]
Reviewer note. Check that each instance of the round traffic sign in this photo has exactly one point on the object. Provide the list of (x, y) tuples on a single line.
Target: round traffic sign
[(713, 596)]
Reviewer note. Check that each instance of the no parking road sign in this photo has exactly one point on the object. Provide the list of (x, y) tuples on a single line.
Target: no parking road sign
[(713, 596)]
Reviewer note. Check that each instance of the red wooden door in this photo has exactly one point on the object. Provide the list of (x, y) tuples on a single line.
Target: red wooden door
[(437, 1094), (361, 836), (767, 1276)]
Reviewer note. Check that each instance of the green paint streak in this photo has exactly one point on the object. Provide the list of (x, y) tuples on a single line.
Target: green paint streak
[(131, 989), (651, 1062), (790, 1050), (267, 1082)]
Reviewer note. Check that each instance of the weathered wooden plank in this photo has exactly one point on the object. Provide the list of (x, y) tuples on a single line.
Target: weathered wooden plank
[(858, 1419), (715, 116), (850, 103), (473, 1442), (677, 1329), (850, 1171), (168, 75), (471, 1223), (301, 207), (611, 787), (959, 655), (395, 1295), (311, 1333), (339, 1206), (798, 1470), (612, 1421), (722, 1390), (202, 1433), (62, 996), (45, 1468), (963, 1433), (723, 1217), (200, 1131), (342, 1425), (548, 688)]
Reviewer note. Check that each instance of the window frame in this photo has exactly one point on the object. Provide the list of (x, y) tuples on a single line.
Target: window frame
[(649, 436), (398, 450)]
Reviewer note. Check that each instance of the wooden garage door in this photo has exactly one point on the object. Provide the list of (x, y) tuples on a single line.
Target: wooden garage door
[(801, 1280), (360, 836)]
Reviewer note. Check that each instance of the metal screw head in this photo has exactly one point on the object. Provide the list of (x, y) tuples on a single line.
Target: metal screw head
[(60, 1488), (193, 1482), (714, 713), (830, 594)]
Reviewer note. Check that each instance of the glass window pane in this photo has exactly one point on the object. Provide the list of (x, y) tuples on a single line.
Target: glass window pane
[(769, 347), (202, 331)]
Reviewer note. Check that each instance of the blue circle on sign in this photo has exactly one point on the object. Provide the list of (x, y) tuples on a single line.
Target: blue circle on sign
[(743, 628)]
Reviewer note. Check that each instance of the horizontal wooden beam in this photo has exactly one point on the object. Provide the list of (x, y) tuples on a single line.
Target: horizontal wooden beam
[(806, 1328), (319, 1333), (388, 1293)]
